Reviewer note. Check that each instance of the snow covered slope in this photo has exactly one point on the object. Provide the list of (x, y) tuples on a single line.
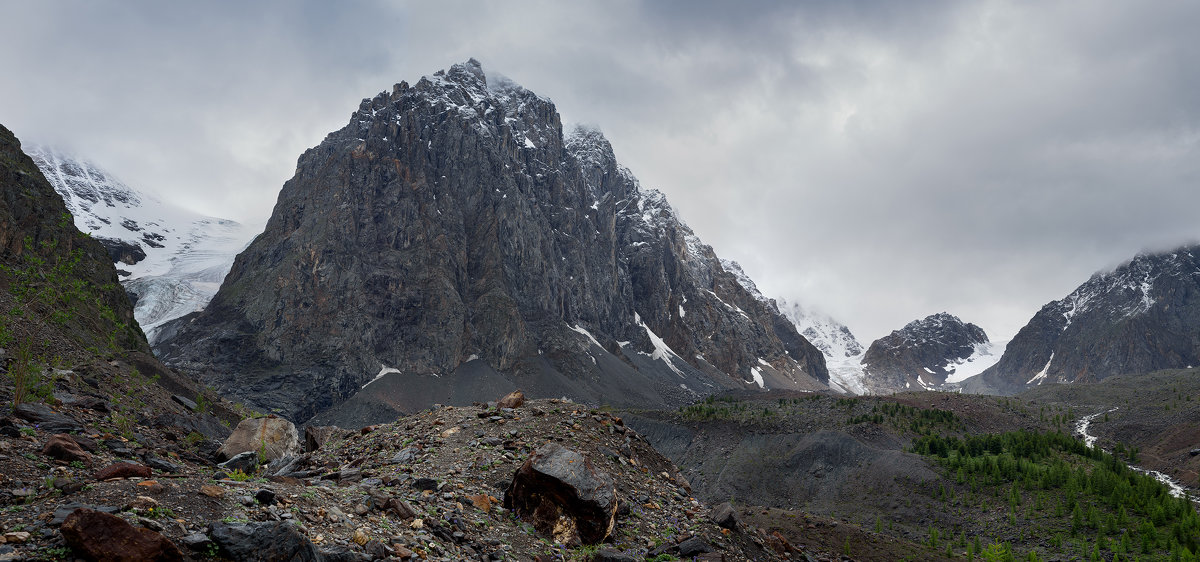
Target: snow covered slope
[(172, 259), (843, 353)]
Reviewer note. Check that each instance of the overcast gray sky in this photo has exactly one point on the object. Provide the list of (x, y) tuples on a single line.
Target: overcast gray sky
[(878, 160)]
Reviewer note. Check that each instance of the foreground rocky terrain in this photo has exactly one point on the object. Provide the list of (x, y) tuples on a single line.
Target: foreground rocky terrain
[(437, 485)]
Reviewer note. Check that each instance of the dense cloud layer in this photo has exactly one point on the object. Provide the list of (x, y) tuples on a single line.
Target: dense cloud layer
[(880, 160)]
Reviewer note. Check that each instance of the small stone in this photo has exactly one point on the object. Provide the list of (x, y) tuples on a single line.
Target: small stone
[(16, 536), (62, 447), (360, 536), (265, 496), (185, 402), (142, 503), (196, 541), (725, 516), (163, 465), (481, 501), (406, 455), (611, 555), (212, 491), (151, 487), (425, 484), (513, 399), (246, 462), (692, 547), (67, 486), (123, 470)]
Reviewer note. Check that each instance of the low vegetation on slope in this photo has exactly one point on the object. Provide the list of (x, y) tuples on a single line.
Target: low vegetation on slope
[(945, 475)]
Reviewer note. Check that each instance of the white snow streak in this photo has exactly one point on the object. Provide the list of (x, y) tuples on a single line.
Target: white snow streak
[(1041, 376)]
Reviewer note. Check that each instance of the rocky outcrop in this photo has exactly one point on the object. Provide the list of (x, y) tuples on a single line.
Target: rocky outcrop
[(564, 496), (452, 237), (1142, 316)]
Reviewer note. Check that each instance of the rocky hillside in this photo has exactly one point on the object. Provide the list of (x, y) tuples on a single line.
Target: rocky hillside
[(1154, 416), (921, 355), (540, 480), (1140, 317), (60, 294), (170, 259), (452, 233)]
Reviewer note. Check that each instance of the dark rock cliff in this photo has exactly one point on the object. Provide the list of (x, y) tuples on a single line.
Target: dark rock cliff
[(1143, 316), (919, 355), (61, 293), (452, 238)]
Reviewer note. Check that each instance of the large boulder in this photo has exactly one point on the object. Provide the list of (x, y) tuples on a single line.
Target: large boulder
[(263, 542), (272, 437), (95, 535), (564, 496)]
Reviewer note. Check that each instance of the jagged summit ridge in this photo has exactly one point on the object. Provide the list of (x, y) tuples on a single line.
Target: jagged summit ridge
[(451, 232), (1139, 317)]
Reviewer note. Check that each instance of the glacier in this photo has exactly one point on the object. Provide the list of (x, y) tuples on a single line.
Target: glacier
[(172, 260)]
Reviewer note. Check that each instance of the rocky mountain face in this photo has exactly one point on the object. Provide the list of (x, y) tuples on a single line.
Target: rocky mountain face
[(60, 289), (170, 259), (1142, 316), (921, 355), (450, 242)]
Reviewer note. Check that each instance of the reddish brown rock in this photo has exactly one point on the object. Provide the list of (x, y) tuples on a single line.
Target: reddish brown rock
[(95, 535), (564, 496), (513, 399), (123, 470), (62, 447)]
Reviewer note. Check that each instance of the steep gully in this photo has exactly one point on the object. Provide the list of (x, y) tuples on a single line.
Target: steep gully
[(1081, 427)]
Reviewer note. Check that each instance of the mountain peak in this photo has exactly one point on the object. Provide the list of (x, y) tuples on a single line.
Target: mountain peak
[(452, 234), (922, 354), (1135, 318)]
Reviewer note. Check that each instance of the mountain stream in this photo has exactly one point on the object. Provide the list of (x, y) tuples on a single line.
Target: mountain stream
[(1081, 427)]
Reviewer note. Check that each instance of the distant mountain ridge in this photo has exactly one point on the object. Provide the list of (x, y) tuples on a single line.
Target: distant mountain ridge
[(921, 355), (1142, 316), (171, 259), (450, 242)]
